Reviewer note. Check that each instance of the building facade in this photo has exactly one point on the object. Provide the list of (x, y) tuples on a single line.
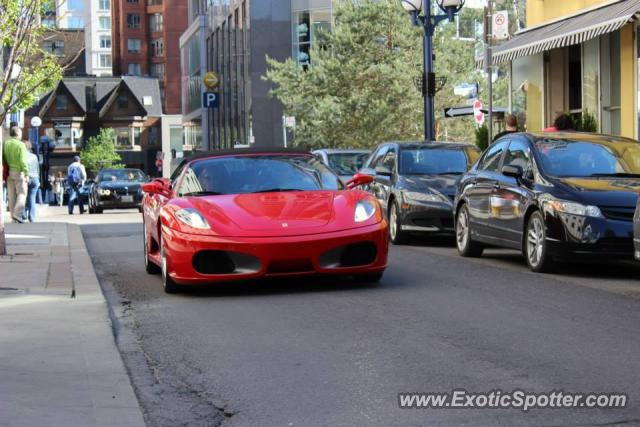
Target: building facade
[(578, 57), (234, 38), (145, 43), (98, 38)]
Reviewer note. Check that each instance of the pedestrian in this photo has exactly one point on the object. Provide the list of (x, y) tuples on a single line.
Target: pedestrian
[(58, 188), (15, 154), (511, 126), (159, 157), (563, 122), (76, 175), (30, 211)]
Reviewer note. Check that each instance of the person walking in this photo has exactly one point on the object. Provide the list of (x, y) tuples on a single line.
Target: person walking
[(15, 154), (511, 126), (76, 175), (58, 188), (30, 211)]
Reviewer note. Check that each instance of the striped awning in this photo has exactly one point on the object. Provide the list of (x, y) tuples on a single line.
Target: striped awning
[(569, 31)]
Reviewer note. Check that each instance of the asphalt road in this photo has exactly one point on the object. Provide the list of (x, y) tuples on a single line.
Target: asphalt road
[(333, 353)]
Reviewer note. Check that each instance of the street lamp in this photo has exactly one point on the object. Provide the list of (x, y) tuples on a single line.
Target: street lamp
[(420, 11)]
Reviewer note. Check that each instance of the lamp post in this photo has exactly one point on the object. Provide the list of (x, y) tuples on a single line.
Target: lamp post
[(420, 11)]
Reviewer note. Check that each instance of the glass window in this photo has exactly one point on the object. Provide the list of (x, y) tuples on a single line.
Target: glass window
[(75, 22), (62, 101), (105, 5), (152, 136), (346, 163), (75, 5), (55, 47), (105, 60), (156, 22), (610, 68), (157, 70), (105, 42), (136, 136), (133, 20), (591, 79), (157, 47), (491, 160), (307, 26), (255, 174), (104, 22), (390, 159), (123, 137), (134, 69), (130, 175), (375, 158), (518, 155), (134, 45), (63, 135), (433, 161), (526, 98)]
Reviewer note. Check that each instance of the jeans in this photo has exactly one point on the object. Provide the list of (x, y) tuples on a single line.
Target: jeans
[(74, 194), (17, 189), (30, 210)]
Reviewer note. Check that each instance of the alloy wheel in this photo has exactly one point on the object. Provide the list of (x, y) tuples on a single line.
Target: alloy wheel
[(393, 222), (462, 229), (535, 241)]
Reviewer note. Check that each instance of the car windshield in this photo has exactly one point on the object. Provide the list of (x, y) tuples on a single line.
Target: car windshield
[(122, 175), (593, 158), (257, 174), (433, 161), (347, 163)]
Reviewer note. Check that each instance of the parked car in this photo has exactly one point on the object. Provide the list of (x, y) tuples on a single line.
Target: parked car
[(116, 189), (343, 162), (551, 196), (248, 213), (416, 182)]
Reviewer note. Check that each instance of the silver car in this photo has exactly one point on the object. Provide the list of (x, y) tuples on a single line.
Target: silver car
[(344, 162)]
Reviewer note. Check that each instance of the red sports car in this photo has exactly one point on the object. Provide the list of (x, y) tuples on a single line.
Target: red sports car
[(246, 214)]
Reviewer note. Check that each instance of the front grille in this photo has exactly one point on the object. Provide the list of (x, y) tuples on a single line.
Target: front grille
[(280, 266), (353, 255), (223, 262), (618, 213)]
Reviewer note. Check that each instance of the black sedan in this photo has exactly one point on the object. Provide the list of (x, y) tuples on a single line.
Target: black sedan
[(416, 183), (551, 196), (117, 189)]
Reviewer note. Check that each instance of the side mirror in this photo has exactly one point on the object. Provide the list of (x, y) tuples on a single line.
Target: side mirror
[(383, 171), (513, 171), (359, 179), (157, 186)]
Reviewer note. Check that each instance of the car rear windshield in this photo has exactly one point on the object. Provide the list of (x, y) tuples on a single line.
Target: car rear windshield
[(347, 163), (256, 174), (122, 175), (589, 158), (433, 161)]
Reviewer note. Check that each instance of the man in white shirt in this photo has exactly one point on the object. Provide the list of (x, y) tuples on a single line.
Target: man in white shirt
[(76, 176)]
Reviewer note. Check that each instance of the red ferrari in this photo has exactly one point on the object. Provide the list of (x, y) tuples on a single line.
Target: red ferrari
[(246, 214)]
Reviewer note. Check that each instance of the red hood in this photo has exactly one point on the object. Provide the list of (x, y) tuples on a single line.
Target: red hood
[(279, 214)]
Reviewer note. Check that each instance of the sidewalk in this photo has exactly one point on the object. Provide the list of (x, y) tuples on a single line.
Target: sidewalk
[(59, 365)]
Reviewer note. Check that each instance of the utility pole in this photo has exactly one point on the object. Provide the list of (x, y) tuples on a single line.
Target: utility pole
[(488, 61)]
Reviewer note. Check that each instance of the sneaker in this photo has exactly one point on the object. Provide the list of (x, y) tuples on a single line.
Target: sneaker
[(18, 220)]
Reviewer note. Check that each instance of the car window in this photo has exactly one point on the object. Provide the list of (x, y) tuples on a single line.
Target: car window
[(390, 159), (433, 161), (519, 154), (377, 156), (346, 163), (491, 160)]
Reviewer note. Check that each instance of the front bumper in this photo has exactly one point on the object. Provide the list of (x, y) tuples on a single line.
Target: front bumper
[(427, 217), (271, 256), (574, 235), (117, 201)]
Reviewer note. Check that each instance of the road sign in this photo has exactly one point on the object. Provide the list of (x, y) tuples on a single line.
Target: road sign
[(211, 80), (458, 112), (500, 27), (478, 115), (210, 100)]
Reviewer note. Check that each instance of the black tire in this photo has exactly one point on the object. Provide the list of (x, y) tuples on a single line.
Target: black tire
[(170, 287), (149, 266), (396, 235), (368, 278), (535, 247), (467, 247)]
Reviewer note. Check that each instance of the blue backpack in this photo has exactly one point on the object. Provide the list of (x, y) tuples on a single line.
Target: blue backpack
[(74, 175)]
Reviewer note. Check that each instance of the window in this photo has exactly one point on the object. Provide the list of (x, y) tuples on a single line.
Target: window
[(104, 60), (156, 22), (54, 47), (105, 42), (157, 70), (134, 45), (123, 137), (307, 26), (75, 22), (75, 5), (104, 22), (134, 70), (136, 136), (132, 1), (152, 137), (62, 102), (104, 5), (491, 160), (133, 20), (157, 47), (375, 159), (518, 155), (123, 101), (390, 159)]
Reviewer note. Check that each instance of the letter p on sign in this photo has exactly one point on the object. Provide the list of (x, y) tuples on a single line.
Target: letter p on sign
[(210, 100)]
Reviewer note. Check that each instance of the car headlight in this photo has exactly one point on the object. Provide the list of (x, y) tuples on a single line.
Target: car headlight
[(364, 210), (571, 208), (192, 218), (425, 197), (104, 191)]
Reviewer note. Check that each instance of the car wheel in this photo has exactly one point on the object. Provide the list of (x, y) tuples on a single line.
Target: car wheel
[(535, 246), (97, 210), (396, 235), (466, 246), (149, 266), (368, 278), (168, 284)]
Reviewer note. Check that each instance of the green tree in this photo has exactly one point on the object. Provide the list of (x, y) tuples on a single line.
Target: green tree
[(100, 152), (26, 69)]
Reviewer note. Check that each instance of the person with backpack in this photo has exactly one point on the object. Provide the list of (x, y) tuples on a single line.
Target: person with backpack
[(76, 175)]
